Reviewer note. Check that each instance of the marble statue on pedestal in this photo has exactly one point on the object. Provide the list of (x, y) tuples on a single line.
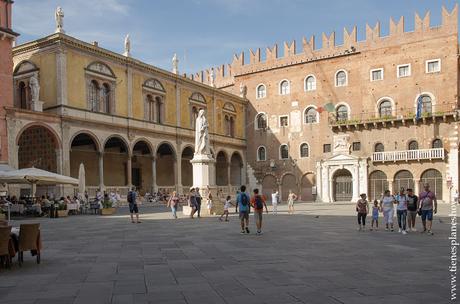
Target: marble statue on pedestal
[(127, 52), (201, 135), (34, 89), (175, 64), (212, 77), (59, 17)]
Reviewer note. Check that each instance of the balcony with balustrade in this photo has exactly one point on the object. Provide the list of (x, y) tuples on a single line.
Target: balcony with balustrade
[(409, 155), (401, 116)]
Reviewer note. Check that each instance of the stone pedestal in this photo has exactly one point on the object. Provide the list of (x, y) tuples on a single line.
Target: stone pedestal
[(204, 178), (37, 106)]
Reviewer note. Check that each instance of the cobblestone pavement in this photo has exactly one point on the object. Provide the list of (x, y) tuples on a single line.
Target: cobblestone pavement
[(314, 256)]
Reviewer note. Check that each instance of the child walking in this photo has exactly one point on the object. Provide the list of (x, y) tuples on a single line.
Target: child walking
[(362, 207), (228, 202), (375, 215)]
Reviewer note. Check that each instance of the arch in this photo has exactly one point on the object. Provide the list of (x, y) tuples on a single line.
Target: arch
[(379, 147), (40, 124), (433, 178), (37, 147), (387, 104), (260, 121), (309, 83), (412, 145), (342, 111), (261, 91), (155, 84), (236, 169), (304, 150), (186, 166), (228, 106), (107, 97), (93, 95), (307, 182), (288, 182), (25, 66), (269, 184), (436, 143), (116, 153), (222, 165), (433, 101), (84, 148), (118, 137), (284, 87), (22, 96), (341, 78), (403, 179), (90, 134), (310, 114), (198, 97), (100, 67), (378, 183), (145, 141), (165, 164), (141, 165), (343, 185), (284, 151), (261, 153)]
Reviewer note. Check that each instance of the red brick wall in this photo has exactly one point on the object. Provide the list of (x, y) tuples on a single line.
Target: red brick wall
[(37, 148)]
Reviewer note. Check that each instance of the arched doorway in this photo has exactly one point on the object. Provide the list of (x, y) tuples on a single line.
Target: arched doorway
[(378, 183), (433, 178), (83, 150), (403, 179), (221, 169), (268, 185), (165, 165), (307, 183), (141, 166), (187, 168), (37, 148), (343, 185), (236, 169), (288, 182), (115, 160)]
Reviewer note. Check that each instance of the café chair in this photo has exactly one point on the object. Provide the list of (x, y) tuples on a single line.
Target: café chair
[(29, 239)]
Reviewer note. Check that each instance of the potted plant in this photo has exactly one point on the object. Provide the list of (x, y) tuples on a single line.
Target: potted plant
[(107, 207), (62, 210)]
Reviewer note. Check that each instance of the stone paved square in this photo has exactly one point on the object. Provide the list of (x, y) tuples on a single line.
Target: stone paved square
[(305, 258)]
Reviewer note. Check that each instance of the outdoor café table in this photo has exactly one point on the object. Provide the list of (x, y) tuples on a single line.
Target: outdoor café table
[(72, 207), (17, 208)]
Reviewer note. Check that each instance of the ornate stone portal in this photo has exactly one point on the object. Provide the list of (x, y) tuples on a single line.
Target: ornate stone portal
[(342, 173)]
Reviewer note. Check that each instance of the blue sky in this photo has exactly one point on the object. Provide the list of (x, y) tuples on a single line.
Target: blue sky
[(206, 33)]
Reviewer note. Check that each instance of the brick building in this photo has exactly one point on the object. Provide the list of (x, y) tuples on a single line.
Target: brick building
[(336, 121)]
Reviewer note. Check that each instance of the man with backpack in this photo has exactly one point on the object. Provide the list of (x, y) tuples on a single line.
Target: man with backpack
[(131, 198), (258, 203), (242, 200)]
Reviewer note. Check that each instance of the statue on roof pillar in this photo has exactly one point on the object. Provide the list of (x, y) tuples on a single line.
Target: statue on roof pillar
[(59, 17)]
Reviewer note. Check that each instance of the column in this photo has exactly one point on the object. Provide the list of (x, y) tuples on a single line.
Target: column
[(179, 173), (176, 175), (129, 171), (154, 174), (101, 170), (319, 185), (390, 186), (229, 176), (129, 85), (61, 72), (178, 106), (417, 186)]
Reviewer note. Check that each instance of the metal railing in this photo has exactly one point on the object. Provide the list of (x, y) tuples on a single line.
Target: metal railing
[(406, 155), (438, 110)]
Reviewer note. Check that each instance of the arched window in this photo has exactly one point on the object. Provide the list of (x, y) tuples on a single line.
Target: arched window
[(261, 91), (310, 83), (311, 115), (304, 150), (94, 96), (284, 87), (342, 113), (106, 97), (261, 154), (22, 95), (150, 108), (194, 116), (159, 110), (232, 126), (385, 109), (227, 125), (379, 147), (341, 79), (284, 152), (261, 121), (413, 145), (437, 143), (427, 106)]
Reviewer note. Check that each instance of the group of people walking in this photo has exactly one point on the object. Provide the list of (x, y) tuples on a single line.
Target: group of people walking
[(408, 206)]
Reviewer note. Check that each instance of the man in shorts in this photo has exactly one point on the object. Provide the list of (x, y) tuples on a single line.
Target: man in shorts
[(275, 200), (132, 195), (258, 203), (242, 200), (412, 203), (427, 206)]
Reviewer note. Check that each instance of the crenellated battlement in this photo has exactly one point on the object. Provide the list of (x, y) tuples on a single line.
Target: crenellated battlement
[(224, 74)]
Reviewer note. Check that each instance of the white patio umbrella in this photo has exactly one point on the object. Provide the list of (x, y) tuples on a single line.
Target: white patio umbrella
[(81, 179)]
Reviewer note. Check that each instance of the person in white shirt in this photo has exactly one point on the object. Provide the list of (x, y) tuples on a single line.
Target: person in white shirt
[(386, 205), (401, 210), (275, 200)]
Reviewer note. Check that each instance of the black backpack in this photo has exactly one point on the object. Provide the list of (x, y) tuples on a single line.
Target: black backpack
[(259, 204), (129, 198), (244, 199)]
